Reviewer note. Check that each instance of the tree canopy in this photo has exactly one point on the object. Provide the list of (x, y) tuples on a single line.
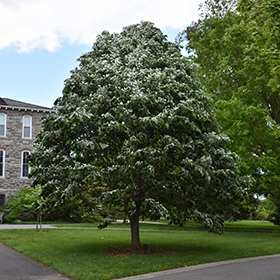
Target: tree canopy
[(263, 17), (237, 51), (135, 130)]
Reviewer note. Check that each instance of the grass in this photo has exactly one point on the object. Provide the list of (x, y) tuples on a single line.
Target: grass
[(79, 253), (145, 225), (251, 225), (248, 225)]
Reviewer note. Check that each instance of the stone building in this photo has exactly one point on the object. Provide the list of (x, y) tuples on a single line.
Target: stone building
[(19, 125)]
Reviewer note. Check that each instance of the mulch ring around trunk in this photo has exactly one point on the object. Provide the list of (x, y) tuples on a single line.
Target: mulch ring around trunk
[(134, 251)]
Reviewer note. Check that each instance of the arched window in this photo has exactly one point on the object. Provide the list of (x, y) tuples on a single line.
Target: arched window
[(27, 126), (2, 163), (3, 124), (24, 164)]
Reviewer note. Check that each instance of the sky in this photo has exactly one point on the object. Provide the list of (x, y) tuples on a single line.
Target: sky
[(41, 40)]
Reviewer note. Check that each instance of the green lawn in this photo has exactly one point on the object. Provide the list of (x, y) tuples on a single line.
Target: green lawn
[(260, 226), (251, 225), (79, 253)]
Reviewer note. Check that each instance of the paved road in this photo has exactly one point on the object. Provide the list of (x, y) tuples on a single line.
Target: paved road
[(260, 268), (27, 226), (16, 266)]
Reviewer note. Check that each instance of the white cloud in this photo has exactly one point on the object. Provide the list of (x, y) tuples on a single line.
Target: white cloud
[(46, 24)]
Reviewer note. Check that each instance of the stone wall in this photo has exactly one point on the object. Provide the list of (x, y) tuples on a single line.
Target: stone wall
[(14, 144)]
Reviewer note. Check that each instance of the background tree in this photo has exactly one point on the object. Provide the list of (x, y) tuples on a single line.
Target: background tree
[(237, 72), (263, 17), (265, 210), (216, 8), (134, 129)]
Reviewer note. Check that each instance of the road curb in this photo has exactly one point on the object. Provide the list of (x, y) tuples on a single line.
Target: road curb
[(195, 267)]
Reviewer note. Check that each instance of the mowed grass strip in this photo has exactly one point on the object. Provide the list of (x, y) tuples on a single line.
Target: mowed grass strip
[(251, 225), (79, 253), (247, 225)]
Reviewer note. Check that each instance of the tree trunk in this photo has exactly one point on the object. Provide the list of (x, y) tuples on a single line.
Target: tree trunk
[(134, 225), (41, 221), (37, 222), (124, 218)]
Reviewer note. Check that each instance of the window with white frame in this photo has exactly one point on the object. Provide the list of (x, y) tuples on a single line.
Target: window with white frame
[(2, 124), (2, 163), (27, 127), (25, 164)]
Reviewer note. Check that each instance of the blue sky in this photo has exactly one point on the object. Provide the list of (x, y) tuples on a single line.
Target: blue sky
[(41, 39)]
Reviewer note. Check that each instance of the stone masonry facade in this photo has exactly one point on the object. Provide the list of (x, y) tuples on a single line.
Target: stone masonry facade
[(19, 124)]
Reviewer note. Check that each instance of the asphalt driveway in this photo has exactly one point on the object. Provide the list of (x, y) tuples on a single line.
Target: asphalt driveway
[(16, 266)]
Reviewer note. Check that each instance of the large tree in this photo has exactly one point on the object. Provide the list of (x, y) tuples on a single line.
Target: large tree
[(234, 50), (134, 129), (263, 21)]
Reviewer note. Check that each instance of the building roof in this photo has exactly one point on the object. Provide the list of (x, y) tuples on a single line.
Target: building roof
[(7, 103)]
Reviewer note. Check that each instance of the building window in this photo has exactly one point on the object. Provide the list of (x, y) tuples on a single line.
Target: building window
[(2, 163), (2, 200), (2, 124), (27, 127), (24, 164)]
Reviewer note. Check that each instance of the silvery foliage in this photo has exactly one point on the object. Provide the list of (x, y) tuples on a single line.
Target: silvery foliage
[(134, 129)]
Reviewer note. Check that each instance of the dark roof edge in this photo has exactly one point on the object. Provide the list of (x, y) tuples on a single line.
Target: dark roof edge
[(7, 103), (38, 109)]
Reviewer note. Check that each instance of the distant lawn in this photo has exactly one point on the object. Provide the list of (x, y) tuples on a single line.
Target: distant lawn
[(248, 225), (79, 253), (144, 225)]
